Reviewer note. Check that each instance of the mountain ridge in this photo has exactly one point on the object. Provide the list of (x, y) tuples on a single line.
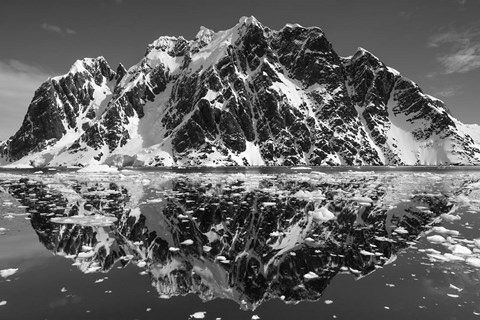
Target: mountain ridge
[(248, 95)]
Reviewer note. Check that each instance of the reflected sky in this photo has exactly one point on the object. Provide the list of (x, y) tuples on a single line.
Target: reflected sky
[(249, 243)]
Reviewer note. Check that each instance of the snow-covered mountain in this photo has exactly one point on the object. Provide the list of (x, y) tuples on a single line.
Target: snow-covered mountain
[(244, 96)]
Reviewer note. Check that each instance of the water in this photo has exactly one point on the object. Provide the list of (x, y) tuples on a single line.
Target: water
[(241, 244)]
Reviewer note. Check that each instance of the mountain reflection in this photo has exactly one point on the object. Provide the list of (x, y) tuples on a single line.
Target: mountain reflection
[(280, 237)]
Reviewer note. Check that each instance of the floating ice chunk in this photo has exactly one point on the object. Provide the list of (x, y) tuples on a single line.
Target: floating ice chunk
[(314, 195), (474, 262), (449, 217), (255, 317), (436, 239), (460, 250), (477, 242), (322, 215), (366, 253), (173, 249), (401, 230), (2, 303), (452, 257), (154, 200), (98, 168), (198, 315), (443, 230), (328, 301), (455, 288), (141, 264), (453, 295), (310, 275), (437, 257), (8, 272), (88, 221), (187, 242), (275, 234), (63, 289), (221, 258), (269, 204), (207, 248), (99, 280)]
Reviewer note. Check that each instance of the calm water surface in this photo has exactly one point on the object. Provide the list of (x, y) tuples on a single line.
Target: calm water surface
[(256, 243)]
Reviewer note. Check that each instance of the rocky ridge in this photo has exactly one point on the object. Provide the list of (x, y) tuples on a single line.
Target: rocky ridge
[(244, 96)]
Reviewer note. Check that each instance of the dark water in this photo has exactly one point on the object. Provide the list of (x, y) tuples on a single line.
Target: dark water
[(241, 244)]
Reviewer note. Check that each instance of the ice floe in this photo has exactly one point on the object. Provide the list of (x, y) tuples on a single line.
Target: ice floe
[(322, 215), (198, 315), (8, 272), (93, 220), (310, 275), (436, 239)]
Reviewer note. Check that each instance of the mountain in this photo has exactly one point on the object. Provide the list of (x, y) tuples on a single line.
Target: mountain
[(244, 96)]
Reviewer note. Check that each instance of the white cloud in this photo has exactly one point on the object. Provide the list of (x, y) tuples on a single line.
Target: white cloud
[(447, 92), (18, 82), (58, 30), (461, 49)]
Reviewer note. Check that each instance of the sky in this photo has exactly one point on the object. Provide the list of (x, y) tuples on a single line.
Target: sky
[(436, 43)]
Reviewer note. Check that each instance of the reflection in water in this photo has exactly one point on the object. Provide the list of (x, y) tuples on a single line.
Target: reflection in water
[(238, 237)]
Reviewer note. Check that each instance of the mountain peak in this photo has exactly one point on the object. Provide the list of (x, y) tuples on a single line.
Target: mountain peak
[(249, 21), (243, 96), (204, 35)]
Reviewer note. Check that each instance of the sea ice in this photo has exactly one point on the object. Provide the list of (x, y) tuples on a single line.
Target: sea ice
[(474, 262), (477, 242), (8, 272), (310, 275), (198, 315), (322, 215), (443, 230), (460, 250), (449, 217), (401, 230), (88, 221), (436, 239), (187, 242), (366, 253)]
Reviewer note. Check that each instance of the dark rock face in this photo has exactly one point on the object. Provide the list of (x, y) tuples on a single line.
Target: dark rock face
[(256, 243), (59, 105), (245, 96)]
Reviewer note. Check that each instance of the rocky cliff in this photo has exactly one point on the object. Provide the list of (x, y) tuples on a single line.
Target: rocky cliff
[(244, 96)]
